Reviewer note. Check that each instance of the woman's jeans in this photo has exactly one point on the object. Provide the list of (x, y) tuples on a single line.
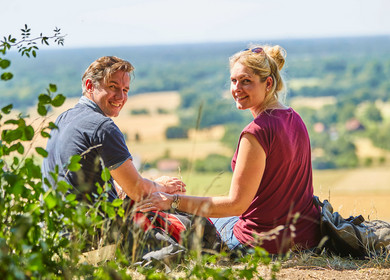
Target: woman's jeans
[(224, 227)]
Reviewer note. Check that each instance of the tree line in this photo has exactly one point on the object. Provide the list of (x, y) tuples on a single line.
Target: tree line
[(353, 70)]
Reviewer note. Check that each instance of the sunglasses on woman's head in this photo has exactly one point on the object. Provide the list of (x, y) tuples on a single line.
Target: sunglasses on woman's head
[(254, 50)]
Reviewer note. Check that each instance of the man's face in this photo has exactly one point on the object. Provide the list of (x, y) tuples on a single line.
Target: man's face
[(112, 96)]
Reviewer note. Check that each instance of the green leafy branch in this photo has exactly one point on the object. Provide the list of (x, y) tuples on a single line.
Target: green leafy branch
[(26, 46)]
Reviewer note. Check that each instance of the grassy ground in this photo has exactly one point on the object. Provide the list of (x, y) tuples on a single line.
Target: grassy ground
[(326, 269)]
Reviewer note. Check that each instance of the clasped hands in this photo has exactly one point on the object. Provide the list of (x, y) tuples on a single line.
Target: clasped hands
[(171, 185), (163, 198)]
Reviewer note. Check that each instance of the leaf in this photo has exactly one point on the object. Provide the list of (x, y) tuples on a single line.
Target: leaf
[(20, 148), (3, 152), (44, 134), (99, 189), (28, 133), (50, 201), (14, 147), (109, 210), (106, 174), (70, 197), (41, 151), (42, 110), (12, 121), (34, 171), (52, 87), (44, 99), (52, 125), (18, 187), (117, 202), (35, 262), (4, 63), (74, 164), (88, 197), (7, 109), (58, 100), (121, 212), (63, 187), (11, 135), (6, 76)]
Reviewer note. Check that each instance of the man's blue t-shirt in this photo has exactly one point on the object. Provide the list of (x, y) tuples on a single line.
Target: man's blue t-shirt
[(84, 130)]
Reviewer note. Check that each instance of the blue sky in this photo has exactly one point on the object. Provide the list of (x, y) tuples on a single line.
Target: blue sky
[(97, 23)]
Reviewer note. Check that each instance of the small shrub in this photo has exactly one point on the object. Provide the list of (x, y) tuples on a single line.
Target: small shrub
[(176, 132), (140, 112), (213, 163)]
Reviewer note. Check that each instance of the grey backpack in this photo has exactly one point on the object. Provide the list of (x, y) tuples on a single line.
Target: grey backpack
[(353, 236)]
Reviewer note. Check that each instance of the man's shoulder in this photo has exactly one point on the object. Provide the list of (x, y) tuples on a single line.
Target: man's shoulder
[(84, 115)]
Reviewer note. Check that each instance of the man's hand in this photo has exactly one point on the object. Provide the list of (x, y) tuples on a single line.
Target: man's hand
[(171, 185)]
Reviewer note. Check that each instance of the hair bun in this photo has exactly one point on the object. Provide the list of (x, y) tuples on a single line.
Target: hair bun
[(278, 54)]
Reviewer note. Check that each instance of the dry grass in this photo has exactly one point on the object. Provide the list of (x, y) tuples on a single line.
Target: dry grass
[(297, 84), (312, 102), (168, 100), (363, 191), (308, 266), (365, 149)]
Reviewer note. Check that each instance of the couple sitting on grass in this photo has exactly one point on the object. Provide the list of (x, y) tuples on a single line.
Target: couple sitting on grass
[(271, 189)]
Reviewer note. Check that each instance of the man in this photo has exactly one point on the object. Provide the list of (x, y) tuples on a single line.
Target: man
[(88, 130)]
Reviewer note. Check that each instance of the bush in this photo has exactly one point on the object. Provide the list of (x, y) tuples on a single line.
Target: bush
[(213, 163), (140, 112), (176, 132)]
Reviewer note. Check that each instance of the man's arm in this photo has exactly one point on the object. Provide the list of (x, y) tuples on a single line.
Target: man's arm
[(137, 187)]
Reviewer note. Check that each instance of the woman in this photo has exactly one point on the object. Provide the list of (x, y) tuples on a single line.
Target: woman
[(270, 198)]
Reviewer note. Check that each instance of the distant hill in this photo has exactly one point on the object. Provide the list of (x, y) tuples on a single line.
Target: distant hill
[(344, 81), (180, 67)]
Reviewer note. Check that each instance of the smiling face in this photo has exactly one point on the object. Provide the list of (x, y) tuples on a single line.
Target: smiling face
[(111, 96), (247, 89)]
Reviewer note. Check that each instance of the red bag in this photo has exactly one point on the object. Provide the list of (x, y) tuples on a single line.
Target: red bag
[(170, 223)]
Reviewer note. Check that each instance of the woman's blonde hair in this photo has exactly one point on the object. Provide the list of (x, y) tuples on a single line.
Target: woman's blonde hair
[(265, 61)]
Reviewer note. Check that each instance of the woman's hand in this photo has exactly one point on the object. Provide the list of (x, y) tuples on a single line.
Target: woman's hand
[(157, 201), (171, 185)]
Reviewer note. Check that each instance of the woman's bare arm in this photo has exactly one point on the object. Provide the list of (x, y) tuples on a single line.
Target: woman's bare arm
[(246, 179)]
